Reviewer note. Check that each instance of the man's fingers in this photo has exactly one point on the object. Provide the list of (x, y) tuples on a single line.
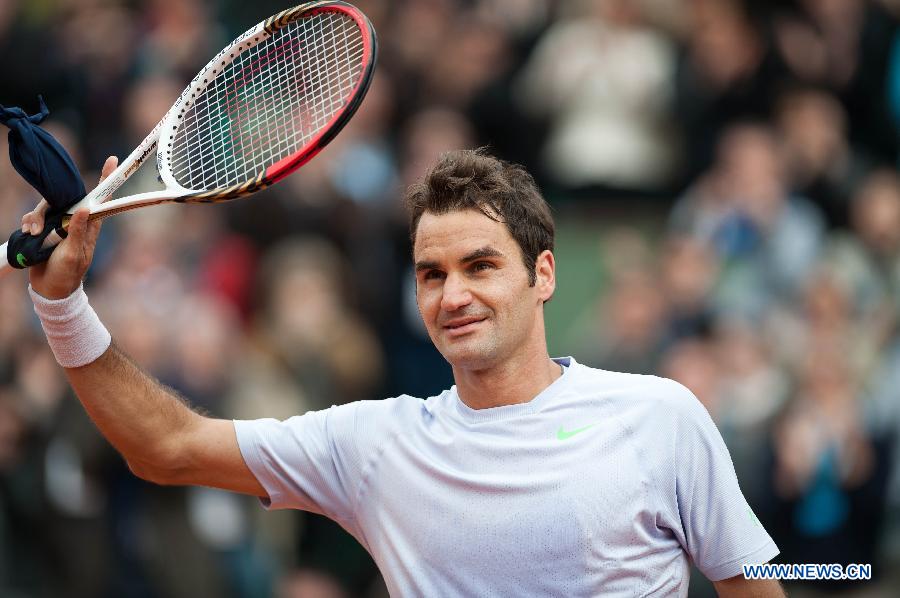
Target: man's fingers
[(108, 167), (83, 236), (76, 229), (78, 224), (93, 228), (88, 229), (33, 221)]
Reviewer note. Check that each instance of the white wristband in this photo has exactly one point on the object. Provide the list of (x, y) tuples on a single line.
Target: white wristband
[(75, 333)]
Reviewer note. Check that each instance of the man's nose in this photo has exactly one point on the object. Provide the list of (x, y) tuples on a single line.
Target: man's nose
[(456, 293)]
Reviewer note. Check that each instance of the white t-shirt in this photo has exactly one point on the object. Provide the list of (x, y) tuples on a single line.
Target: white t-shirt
[(604, 483)]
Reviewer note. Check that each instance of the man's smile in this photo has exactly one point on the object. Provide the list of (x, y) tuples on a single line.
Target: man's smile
[(461, 326)]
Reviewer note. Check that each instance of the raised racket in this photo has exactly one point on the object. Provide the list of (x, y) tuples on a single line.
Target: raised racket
[(263, 107)]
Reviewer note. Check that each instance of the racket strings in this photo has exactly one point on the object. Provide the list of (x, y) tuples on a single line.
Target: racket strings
[(269, 103)]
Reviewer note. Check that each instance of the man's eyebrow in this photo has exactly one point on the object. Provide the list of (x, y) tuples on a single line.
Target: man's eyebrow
[(478, 254), (426, 265), (481, 253)]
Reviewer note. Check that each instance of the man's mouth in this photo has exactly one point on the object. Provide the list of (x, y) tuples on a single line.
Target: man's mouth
[(460, 326)]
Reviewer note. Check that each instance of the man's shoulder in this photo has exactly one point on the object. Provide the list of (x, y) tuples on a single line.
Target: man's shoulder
[(401, 405), (643, 400), (631, 387)]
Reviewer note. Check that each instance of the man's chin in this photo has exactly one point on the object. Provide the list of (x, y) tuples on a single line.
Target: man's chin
[(469, 358)]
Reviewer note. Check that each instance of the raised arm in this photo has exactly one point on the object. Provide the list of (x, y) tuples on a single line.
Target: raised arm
[(160, 437), (739, 587)]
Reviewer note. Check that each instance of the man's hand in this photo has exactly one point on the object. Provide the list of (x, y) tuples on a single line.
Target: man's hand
[(60, 276)]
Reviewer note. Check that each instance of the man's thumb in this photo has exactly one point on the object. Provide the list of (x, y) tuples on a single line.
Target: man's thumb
[(78, 224)]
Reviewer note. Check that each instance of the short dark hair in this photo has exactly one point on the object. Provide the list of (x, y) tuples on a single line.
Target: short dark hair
[(502, 191)]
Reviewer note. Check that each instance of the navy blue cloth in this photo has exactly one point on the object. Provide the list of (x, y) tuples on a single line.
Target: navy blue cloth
[(45, 164)]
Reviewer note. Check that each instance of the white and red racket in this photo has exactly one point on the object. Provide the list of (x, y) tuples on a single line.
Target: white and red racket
[(263, 107)]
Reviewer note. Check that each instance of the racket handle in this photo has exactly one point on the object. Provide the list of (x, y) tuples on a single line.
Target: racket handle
[(34, 254), (52, 239)]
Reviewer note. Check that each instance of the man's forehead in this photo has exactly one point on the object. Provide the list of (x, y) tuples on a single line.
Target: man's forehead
[(461, 231), (472, 213)]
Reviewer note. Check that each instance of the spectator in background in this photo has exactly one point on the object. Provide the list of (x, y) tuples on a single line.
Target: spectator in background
[(627, 325), (220, 528), (301, 360), (428, 134), (694, 363), (23, 566), (160, 529), (767, 240), (603, 77), (688, 273), (415, 34), (363, 165), (726, 73), (844, 46), (868, 259), (180, 36), (828, 474), (822, 164), (96, 42), (324, 344), (826, 316), (754, 388), (202, 365), (720, 357), (652, 302), (55, 484), (481, 51)]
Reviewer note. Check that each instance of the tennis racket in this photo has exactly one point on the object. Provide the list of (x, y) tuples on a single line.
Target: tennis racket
[(263, 107)]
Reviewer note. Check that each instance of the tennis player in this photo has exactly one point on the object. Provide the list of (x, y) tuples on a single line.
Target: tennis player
[(532, 476)]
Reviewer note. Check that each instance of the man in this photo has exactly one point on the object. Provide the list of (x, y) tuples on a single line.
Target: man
[(532, 476)]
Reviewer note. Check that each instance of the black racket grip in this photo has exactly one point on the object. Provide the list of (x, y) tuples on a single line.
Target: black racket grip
[(24, 250)]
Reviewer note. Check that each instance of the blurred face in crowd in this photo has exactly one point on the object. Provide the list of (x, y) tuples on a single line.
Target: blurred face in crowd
[(724, 48), (689, 272), (876, 212), (751, 162), (814, 127), (431, 132), (636, 310), (473, 290), (695, 364)]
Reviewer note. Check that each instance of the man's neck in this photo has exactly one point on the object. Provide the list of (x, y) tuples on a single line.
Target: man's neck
[(510, 383)]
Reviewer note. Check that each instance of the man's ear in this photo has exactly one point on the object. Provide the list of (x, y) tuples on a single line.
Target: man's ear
[(545, 271)]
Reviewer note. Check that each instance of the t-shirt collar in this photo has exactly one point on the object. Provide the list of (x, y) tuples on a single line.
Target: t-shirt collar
[(493, 414)]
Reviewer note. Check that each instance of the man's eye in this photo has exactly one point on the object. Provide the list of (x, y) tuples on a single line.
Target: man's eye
[(481, 266), (432, 275)]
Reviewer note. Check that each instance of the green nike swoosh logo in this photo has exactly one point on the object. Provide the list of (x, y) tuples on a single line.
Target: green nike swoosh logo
[(561, 434), (21, 259)]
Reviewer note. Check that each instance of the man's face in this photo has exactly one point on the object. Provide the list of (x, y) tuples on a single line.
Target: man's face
[(473, 292)]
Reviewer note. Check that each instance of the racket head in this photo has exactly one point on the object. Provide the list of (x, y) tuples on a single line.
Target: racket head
[(268, 103)]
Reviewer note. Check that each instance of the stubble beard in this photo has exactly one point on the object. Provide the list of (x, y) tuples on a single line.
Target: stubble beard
[(473, 353)]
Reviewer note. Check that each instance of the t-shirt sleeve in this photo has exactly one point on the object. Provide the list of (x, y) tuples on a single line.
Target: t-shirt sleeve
[(308, 462), (714, 523)]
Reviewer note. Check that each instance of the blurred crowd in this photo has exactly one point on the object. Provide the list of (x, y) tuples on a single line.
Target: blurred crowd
[(758, 140)]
